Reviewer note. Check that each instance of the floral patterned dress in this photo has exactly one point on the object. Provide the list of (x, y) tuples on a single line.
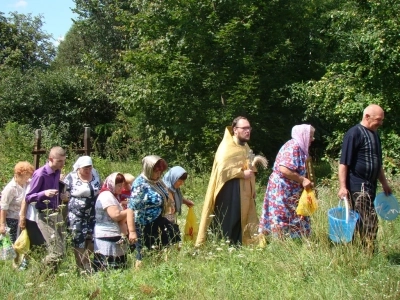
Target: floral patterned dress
[(81, 212), (279, 216)]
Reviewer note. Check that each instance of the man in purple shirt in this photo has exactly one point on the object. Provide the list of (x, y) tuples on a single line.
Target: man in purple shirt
[(44, 191)]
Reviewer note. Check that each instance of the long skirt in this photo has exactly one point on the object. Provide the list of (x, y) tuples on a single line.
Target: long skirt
[(109, 254), (155, 235)]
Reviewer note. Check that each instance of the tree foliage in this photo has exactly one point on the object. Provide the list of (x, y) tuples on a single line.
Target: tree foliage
[(166, 77), (41, 98), (184, 69), (23, 44), (362, 69)]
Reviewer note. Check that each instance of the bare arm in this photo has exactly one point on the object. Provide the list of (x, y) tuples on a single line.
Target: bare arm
[(292, 175), (7, 196), (342, 173), (382, 179), (116, 214), (22, 215), (3, 215), (131, 225)]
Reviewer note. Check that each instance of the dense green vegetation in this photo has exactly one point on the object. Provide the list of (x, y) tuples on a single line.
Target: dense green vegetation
[(166, 77)]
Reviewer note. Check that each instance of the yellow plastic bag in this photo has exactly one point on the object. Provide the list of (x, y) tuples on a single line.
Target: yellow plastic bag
[(307, 204), (191, 227), (22, 244), (21, 247)]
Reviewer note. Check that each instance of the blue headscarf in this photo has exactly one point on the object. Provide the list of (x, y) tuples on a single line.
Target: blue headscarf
[(169, 179)]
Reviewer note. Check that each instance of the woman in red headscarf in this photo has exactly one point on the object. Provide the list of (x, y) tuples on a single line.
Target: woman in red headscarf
[(109, 247)]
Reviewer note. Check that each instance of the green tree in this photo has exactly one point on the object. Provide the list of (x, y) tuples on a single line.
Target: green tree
[(41, 98), (23, 43), (195, 65), (72, 50), (362, 69), (180, 71)]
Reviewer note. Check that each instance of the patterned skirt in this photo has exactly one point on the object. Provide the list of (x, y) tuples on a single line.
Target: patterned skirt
[(108, 254)]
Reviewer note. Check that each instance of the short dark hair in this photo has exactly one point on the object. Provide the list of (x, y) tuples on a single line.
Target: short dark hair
[(184, 176), (236, 120), (119, 178)]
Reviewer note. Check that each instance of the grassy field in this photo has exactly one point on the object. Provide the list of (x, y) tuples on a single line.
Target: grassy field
[(312, 268)]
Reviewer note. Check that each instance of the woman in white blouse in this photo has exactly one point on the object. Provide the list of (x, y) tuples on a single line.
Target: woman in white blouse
[(13, 199)]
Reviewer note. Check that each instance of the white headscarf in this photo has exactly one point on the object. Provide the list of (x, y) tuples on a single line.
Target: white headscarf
[(82, 161), (148, 163), (301, 134)]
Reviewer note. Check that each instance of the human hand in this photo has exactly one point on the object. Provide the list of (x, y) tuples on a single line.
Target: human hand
[(22, 222), (51, 193), (189, 203), (65, 196), (343, 193), (132, 237), (306, 183), (386, 189), (248, 174), (3, 228)]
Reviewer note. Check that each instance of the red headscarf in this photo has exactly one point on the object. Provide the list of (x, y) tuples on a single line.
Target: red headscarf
[(109, 184)]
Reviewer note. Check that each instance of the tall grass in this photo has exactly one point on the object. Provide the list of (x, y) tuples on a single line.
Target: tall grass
[(312, 268)]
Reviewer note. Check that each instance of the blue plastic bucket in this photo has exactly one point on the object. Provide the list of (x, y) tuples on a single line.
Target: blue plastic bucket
[(342, 223)]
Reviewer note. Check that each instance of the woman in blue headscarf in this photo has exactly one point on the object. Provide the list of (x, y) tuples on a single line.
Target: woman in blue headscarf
[(174, 179)]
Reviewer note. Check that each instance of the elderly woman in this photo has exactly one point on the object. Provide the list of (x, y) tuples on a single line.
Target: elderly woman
[(13, 199), (83, 184), (148, 198), (285, 185), (109, 247), (174, 179)]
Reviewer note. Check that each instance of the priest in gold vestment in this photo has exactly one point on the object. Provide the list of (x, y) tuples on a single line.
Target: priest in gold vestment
[(229, 207)]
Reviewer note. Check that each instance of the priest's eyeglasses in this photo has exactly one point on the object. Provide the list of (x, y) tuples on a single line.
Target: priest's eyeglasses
[(245, 128)]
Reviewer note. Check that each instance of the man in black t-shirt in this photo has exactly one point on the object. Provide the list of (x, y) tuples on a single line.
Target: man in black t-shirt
[(360, 169)]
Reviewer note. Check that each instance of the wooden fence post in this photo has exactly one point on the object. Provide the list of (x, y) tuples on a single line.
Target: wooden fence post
[(86, 141), (37, 148), (37, 151), (87, 146)]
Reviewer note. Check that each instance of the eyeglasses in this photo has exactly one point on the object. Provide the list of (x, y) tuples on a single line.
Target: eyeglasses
[(245, 128)]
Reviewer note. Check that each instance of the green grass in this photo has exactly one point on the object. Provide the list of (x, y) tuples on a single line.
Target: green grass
[(312, 268)]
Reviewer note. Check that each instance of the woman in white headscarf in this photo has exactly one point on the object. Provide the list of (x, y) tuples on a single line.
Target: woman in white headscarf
[(285, 185), (174, 179), (148, 199), (83, 184)]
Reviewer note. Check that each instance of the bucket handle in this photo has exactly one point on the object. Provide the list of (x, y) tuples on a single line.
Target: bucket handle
[(346, 204)]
